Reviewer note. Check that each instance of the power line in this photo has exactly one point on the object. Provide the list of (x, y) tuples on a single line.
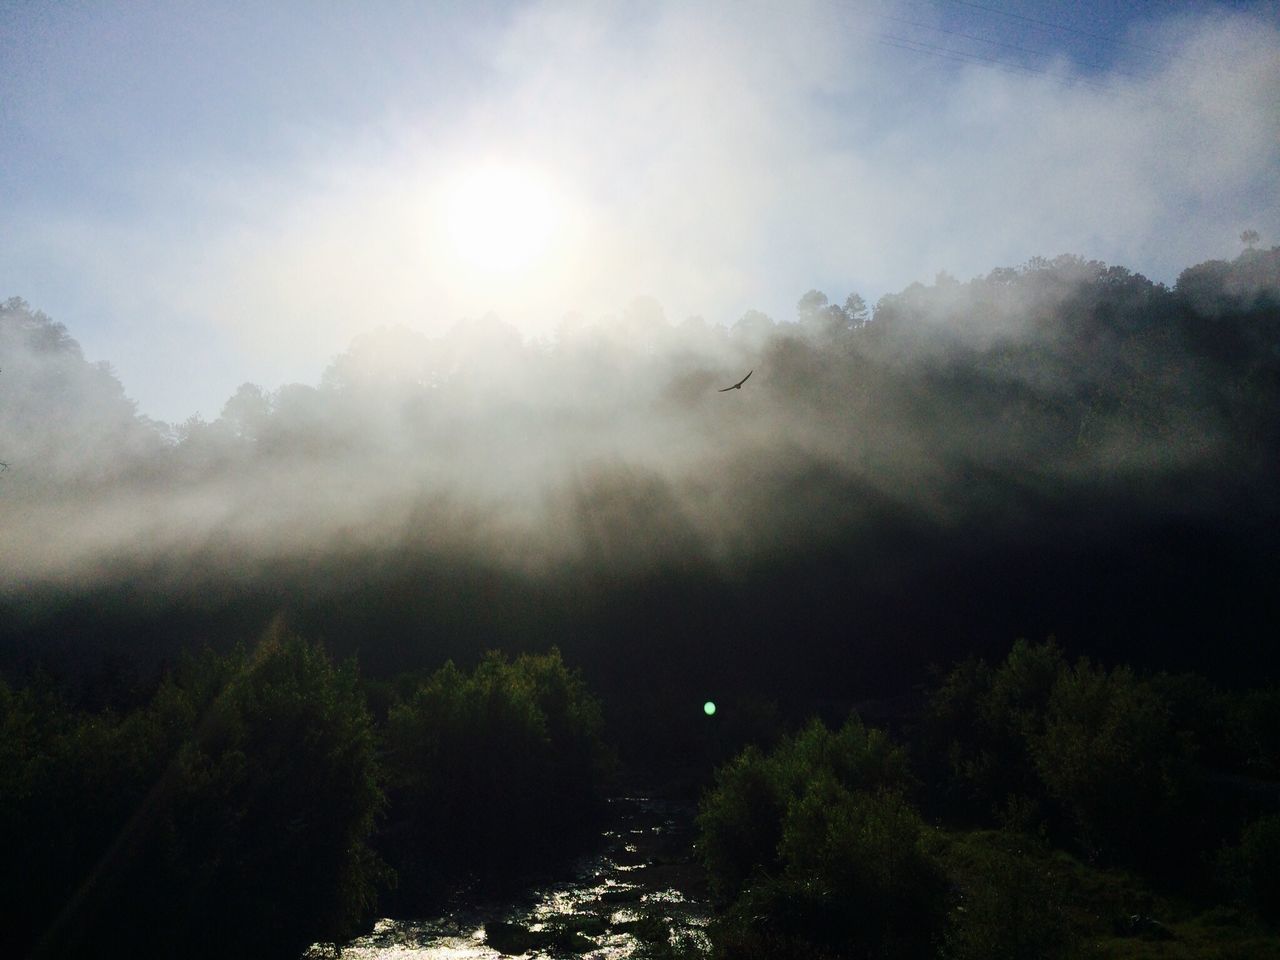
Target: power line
[(962, 56), (919, 46), (1047, 24), (1013, 46), (912, 45), (1220, 69), (994, 62)]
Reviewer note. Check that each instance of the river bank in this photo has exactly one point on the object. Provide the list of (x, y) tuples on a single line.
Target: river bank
[(639, 892)]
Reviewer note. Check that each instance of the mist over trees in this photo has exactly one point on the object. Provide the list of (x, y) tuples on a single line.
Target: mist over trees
[(1064, 447)]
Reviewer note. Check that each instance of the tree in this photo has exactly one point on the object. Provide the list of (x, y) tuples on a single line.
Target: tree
[(742, 817), (825, 322), (247, 411), (1249, 869), (819, 851), (231, 814), (61, 413), (1111, 758), (810, 305), (1249, 238), (490, 767), (753, 326), (856, 309)]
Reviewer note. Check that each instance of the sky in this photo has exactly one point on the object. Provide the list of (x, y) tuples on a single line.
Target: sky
[(212, 193)]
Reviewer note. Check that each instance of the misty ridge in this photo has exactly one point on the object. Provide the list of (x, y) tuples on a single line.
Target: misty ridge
[(873, 454)]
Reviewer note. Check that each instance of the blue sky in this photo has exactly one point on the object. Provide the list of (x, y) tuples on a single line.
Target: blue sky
[(212, 193)]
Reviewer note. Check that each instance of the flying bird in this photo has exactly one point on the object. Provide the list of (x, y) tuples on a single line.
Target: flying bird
[(738, 385)]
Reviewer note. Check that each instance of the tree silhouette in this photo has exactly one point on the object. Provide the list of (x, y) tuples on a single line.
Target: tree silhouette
[(810, 305), (1249, 238), (856, 310)]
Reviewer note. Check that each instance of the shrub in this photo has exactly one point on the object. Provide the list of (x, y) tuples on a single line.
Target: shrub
[(740, 822), (855, 880), (489, 767), (1258, 723), (1007, 904), (866, 850), (819, 851), (978, 724), (287, 754), (229, 816), (741, 818), (1108, 755), (1251, 870)]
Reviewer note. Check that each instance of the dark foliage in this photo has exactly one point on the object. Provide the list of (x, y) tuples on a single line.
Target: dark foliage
[(489, 769), (818, 851), (1152, 772), (1006, 904), (232, 813), (236, 811), (1250, 870), (1036, 730)]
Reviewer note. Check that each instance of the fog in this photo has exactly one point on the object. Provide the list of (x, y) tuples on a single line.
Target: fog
[(614, 445), (472, 441)]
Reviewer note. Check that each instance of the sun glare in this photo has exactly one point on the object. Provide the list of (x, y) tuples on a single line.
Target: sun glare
[(500, 219)]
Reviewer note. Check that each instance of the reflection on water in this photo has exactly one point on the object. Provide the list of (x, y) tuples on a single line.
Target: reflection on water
[(642, 885)]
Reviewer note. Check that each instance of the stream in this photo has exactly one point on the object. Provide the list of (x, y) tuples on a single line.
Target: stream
[(640, 889)]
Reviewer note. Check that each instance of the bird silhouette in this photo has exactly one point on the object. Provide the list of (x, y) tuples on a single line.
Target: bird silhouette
[(738, 385)]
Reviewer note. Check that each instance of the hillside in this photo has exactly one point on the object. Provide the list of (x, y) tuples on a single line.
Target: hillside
[(1065, 448)]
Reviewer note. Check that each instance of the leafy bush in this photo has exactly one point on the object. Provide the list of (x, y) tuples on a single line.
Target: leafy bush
[(867, 850), (68, 783), (981, 719), (855, 880), (233, 814), (1258, 730), (287, 755), (1251, 869), (230, 815), (819, 850), (1007, 905), (741, 818), (740, 822), (488, 767), (1107, 756), (1111, 759)]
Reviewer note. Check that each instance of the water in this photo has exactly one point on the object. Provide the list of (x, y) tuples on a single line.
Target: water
[(642, 886)]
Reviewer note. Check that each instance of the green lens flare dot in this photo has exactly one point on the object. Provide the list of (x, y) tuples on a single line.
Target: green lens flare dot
[(709, 708)]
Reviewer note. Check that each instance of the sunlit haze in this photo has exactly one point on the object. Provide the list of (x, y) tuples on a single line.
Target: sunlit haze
[(501, 221), (210, 198)]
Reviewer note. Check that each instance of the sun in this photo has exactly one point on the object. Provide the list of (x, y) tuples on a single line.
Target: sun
[(501, 218)]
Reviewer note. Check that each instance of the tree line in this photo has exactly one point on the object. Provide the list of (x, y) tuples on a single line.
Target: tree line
[(258, 801), (1037, 808), (264, 799), (1062, 448)]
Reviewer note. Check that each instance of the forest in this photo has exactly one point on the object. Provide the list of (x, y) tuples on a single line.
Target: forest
[(981, 581)]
